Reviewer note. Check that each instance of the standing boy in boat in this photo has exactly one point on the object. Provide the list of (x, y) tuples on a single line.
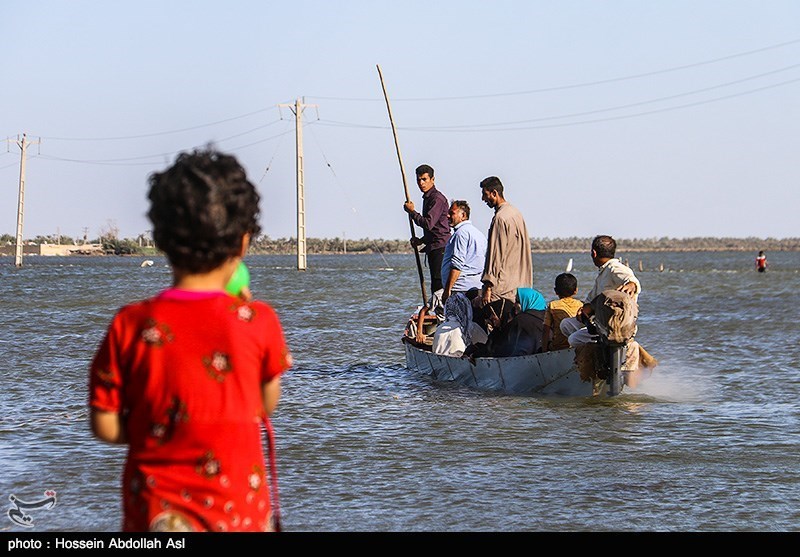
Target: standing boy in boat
[(464, 254), (433, 221), (508, 257)]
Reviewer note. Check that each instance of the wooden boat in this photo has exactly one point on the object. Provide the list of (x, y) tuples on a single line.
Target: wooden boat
[(546, 373)]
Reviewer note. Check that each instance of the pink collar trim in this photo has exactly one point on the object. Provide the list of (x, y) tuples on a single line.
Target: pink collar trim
[(189, 295)]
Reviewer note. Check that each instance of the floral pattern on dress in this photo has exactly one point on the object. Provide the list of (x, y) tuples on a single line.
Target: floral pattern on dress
[(255, 478), (218, 365), (171, 521), (245, 313), (156, 334), (207, 465), (164, 430), (171, 458), (106, 377)]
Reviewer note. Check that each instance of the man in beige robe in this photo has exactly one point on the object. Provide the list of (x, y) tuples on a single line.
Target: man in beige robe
[(509, 264)]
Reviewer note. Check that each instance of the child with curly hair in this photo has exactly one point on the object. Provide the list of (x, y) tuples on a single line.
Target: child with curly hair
[(188, 378)]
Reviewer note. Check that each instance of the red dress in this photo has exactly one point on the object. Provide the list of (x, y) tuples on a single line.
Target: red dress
[(186, 369)]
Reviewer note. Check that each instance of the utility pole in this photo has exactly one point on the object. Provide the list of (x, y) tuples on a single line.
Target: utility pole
[(297, 109), (23, 147)]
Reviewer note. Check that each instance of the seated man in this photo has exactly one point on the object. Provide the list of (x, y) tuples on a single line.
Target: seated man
[(613, 275)]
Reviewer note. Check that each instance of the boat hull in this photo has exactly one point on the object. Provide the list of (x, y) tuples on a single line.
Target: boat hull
[(547, 373)]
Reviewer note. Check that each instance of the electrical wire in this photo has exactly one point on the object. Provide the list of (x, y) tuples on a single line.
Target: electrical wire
[(338, 183), (157, 156), (155, 134), (471, 128), (576, 85)]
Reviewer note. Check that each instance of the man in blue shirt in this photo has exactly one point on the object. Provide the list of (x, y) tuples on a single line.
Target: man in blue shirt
[(464, 254)]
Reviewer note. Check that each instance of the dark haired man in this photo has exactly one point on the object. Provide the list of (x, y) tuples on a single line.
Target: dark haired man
[(509, 264), (433, 221), (613, 275)]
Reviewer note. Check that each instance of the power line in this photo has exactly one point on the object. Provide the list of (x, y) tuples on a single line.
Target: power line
[(621, 107), (577, 85), (654, 111), (157, 156), (338, 183), (154, 134), (486, 128), (274, 154)]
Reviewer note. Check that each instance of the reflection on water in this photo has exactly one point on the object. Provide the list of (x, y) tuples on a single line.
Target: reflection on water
[(708, 442)]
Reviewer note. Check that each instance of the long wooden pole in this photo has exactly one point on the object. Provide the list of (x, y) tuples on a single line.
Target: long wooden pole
[(405, 185)]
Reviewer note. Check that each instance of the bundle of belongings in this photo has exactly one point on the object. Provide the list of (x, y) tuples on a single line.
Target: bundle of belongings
[(615, 316), (432, 315)]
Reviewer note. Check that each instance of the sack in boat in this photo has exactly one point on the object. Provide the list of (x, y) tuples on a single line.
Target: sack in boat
[(645, 359), (615, 314)]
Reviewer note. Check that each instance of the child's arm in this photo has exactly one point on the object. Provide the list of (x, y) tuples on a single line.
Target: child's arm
[(270, 393), (421, 325), (108, 427)]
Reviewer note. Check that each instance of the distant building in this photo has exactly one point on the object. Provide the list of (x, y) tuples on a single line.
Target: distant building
[(54, 249)]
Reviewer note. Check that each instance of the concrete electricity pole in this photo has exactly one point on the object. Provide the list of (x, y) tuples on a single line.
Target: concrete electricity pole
[(297, 109), (23, 147)]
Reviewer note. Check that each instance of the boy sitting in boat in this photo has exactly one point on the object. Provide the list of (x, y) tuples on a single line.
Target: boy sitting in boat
[(566, 286)]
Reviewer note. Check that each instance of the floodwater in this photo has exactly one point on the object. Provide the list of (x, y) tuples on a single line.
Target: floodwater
[(709, 442)]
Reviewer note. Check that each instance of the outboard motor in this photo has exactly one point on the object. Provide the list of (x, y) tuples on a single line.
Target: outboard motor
[(612, 356), (615, 315)]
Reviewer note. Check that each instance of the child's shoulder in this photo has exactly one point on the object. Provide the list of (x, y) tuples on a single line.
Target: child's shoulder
[(566, 301)]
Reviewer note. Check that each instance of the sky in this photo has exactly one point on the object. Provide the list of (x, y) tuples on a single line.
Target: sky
[(639, 119)]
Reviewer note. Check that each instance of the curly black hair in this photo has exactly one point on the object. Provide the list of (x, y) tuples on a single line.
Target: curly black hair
[(200, 208)]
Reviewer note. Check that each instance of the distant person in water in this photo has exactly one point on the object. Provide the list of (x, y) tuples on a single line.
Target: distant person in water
[(761, 262)]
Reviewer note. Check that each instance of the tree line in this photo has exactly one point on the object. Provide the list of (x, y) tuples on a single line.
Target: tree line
[(142, 245), (264, 244)]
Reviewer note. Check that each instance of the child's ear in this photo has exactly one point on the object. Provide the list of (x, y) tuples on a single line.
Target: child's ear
[(245, 244)]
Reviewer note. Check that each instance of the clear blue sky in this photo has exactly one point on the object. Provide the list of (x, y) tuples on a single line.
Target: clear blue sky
[(638, 119)]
